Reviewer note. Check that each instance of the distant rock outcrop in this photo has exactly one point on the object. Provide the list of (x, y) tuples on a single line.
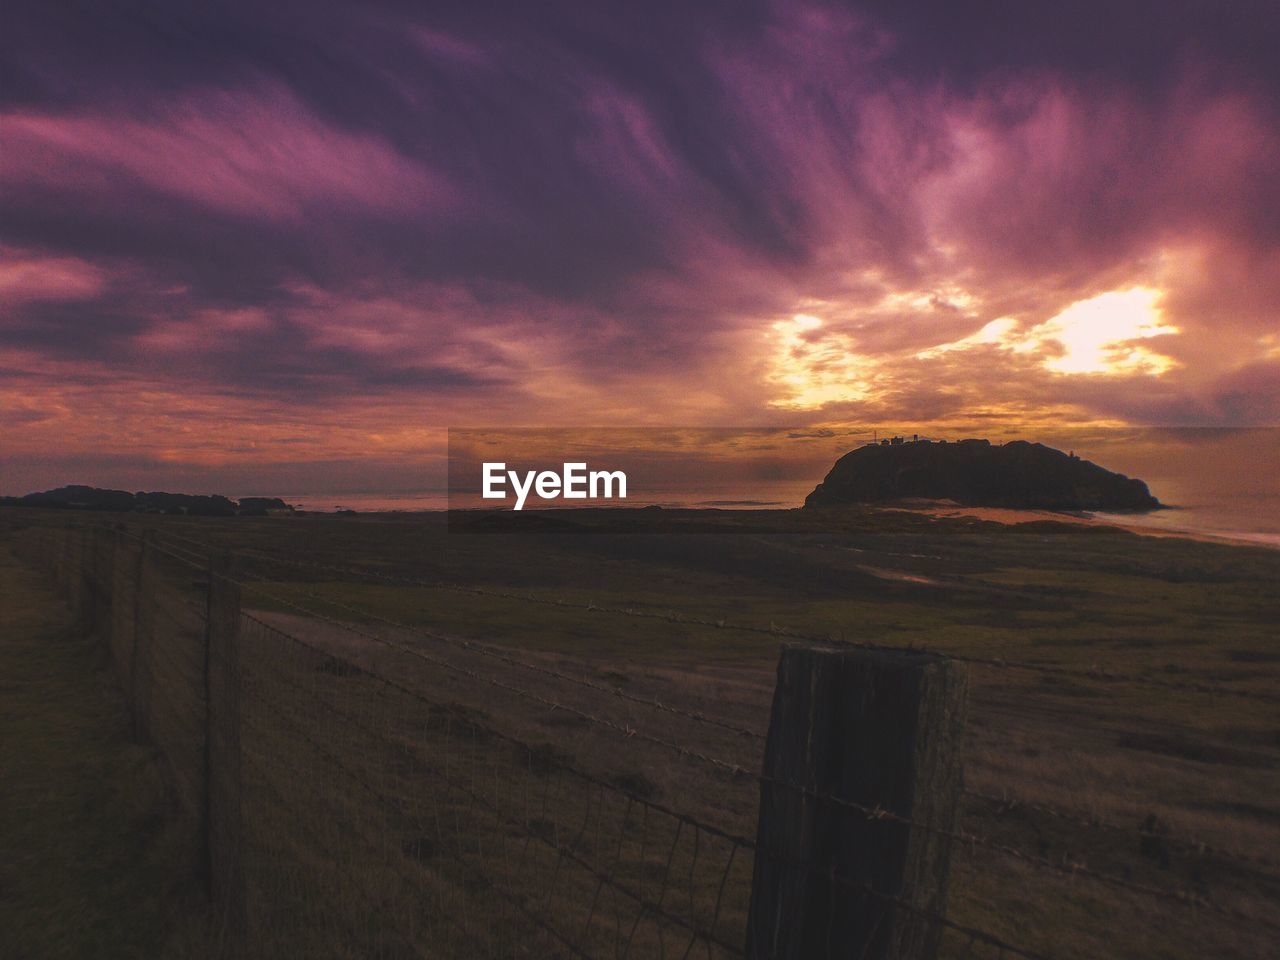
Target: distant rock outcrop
[(78, 497), (973, 472), (261, 506), (185, 503)]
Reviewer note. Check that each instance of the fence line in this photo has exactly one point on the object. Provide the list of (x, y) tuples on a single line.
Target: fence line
[(1258, 864), (626, 732), (1006, 801), (772, 630), (490, 651), (1069, 866), (578, 857), (264, 780), (973, 934), (480, 800), (520, 744), (496, 654), (1075, 864), (392, 684), (745, 843), (699, 828), (374, 793)]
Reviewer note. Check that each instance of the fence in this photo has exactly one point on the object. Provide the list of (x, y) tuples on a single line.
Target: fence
[(359, 787)]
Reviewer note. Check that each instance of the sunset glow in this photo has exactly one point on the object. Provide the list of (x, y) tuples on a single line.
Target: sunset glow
[(1097, 335), (797, 213)]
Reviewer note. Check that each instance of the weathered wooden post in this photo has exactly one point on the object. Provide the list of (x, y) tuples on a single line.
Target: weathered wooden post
[(77, 577), (95, 563), (119, 640), (84, 574), (222, 814), (106, 575), (144, 608), (862, 775)]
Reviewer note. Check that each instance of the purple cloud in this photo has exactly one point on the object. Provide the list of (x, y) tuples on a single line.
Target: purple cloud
[(743, 212)]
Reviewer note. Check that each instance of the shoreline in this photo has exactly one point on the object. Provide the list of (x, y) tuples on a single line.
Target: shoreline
[(1010, 516), (947, 510)]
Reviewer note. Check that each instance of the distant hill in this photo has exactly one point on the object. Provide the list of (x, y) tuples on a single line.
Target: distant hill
[(78, 497), (976, 473)]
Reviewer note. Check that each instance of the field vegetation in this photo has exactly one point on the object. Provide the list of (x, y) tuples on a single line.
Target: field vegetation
[(1123, 719), (96, 859)]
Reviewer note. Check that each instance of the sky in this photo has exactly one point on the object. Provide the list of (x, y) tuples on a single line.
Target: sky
[(263, 247)]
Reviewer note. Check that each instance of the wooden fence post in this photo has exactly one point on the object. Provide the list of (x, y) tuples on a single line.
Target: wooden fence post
[(95, 579), (855, 731), (84, 572), (73, 564), (104, 573), (144, 605), (223, 829), (116, 570)]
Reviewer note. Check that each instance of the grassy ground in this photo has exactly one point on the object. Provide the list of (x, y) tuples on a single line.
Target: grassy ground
[(1203, 765), (94, 862), (323, 742)]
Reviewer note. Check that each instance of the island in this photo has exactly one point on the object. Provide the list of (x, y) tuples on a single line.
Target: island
[(80, 497), (1018, 474)]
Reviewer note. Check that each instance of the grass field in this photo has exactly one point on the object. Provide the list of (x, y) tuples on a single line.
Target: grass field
[(95, 860), (1095, 607)]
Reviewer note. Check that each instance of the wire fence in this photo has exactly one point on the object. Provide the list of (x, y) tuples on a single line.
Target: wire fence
[(361, 786), (269, 568), (1095, 672)]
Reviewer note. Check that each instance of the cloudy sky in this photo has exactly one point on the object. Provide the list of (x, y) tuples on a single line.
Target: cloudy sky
[(285, 245)]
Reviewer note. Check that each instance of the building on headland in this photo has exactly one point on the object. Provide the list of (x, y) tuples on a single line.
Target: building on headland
[(897, 441)]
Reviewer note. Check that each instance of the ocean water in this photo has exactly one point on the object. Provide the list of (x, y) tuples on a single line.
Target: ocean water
[(1255, 522), (1220, 482), (368, 502), (778, 496), (1254, 519)]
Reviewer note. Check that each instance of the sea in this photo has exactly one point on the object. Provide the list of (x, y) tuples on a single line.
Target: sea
[(1223, 483), (1251, 519)]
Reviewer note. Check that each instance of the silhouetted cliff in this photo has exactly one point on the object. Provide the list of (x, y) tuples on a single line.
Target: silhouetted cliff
[(78, 497), (975, 473)]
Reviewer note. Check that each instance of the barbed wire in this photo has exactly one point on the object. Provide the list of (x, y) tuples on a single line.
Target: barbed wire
[(1067, 866), (493, 731), (973, 933), (264, 782), (623, 730), (735, 768), (197, 559), (1093, 673), (738, 842), (1006, 802), (495, 653), (389, 804), (486, 804), (483, 802), (1247, 861)]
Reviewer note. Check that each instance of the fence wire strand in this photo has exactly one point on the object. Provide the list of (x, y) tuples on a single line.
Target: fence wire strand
[(459, 819), (774, 630), (1067, 866)]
